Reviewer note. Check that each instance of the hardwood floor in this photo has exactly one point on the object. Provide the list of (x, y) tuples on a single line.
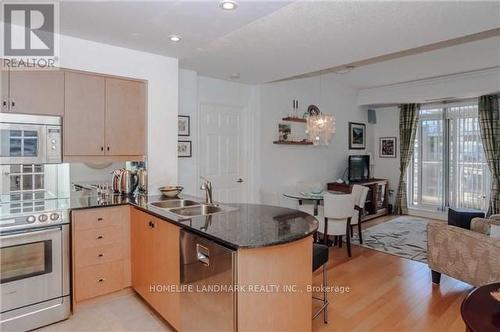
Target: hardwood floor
[(388, 293)]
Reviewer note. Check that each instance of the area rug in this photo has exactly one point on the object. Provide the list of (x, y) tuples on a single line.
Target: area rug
[(403, 236)]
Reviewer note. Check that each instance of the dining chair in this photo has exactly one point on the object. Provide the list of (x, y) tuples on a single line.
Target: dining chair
[(360, 193), (336, 219)]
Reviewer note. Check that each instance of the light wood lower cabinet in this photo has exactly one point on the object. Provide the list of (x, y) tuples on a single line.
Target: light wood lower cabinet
[(156, 263), (101, 251)]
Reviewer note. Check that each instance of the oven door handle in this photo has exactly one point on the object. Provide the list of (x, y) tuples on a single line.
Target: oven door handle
[(30, 232)]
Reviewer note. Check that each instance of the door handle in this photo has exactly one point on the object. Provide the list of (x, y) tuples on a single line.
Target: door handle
[(203, 254), (240, 180)]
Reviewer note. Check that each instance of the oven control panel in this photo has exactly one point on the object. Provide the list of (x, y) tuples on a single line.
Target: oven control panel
[(34, 220)]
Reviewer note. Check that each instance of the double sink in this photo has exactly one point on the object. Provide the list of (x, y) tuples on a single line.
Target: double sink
[(188, 208)]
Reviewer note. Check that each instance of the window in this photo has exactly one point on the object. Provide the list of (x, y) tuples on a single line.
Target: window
[(449, 167)]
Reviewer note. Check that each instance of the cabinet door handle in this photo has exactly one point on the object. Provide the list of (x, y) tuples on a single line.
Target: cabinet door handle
[(101, 279), (102, 148), (99, 219), (107, 148), (100, 237), (151, 224), (100, 255), (12, 105), (4, 104)]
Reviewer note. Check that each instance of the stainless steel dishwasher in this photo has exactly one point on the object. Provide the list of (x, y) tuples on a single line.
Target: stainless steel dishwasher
[(208, 276)]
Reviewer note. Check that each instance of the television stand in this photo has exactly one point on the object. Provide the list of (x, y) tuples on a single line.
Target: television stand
[(376, 200)]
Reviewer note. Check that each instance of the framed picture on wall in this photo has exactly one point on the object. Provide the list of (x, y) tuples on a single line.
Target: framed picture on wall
[(387, 147), (184, 149), (357, 136), (184, 125)]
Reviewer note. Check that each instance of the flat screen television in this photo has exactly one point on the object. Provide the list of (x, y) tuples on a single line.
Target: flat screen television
[(359, 168)]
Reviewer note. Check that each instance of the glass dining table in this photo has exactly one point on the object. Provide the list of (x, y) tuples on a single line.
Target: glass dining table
[(310, 197)]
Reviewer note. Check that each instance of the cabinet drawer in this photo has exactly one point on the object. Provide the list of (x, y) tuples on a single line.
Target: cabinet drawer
[(97, 255), (98, 218), (98, 279), (95, 237)]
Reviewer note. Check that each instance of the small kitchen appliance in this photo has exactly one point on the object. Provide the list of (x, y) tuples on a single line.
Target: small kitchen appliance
[(30, 139)]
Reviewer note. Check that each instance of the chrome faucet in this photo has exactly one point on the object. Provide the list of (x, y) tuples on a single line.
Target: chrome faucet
[(207, 186)]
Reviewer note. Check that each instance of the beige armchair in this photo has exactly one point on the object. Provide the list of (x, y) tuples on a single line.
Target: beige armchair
[(468, 255)]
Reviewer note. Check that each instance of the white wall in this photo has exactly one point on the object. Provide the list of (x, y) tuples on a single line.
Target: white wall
[(162, 76), (188, 105), (387, 126), (282, 167), (195, 90)]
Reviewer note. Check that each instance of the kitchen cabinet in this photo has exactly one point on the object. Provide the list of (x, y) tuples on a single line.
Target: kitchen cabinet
[(38, 92), (105, 118), (4, 88), (125, 117), (84, 115), (101, 251), (156, 262)]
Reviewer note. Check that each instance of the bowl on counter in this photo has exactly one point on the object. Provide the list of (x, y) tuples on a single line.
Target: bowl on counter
[(171, 191)]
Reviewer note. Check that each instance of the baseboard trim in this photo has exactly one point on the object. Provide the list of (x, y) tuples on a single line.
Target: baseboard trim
[(427, 214)]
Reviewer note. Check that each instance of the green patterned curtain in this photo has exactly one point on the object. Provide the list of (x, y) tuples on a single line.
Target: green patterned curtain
[(489, 124), (408, 121)]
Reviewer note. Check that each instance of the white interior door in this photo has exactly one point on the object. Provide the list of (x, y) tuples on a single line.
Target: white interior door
[(221, 141)]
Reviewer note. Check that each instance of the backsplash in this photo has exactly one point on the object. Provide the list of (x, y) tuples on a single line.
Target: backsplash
[(34, 182)]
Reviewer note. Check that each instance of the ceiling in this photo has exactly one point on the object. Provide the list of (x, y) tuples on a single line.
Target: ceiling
[(467, 57), (265, 41)]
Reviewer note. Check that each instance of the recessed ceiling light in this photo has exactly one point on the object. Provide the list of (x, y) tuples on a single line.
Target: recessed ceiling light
[(175, 38), (228, 5)]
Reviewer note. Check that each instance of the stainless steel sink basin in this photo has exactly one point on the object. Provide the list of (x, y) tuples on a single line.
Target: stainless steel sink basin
[(174, 203), (199, 210)]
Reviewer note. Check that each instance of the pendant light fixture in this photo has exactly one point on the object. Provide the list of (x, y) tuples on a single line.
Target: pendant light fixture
[(320, 127)]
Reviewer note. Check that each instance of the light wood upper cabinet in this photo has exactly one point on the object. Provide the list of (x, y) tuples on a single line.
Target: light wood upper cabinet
[(104, 118), (125, 117), (39, 92), (84, 117), (4, 89)]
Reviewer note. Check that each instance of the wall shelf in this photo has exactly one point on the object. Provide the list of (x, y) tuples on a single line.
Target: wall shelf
[(294, 119), (293, 142)]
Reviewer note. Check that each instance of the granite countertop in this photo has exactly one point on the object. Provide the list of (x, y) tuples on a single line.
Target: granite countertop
[(239, 226)]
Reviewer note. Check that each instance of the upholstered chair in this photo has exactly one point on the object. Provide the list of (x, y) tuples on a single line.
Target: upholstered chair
[(472, 256)]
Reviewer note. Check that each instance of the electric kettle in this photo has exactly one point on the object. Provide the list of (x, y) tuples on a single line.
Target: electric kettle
[(124, 181), (128, 181)]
